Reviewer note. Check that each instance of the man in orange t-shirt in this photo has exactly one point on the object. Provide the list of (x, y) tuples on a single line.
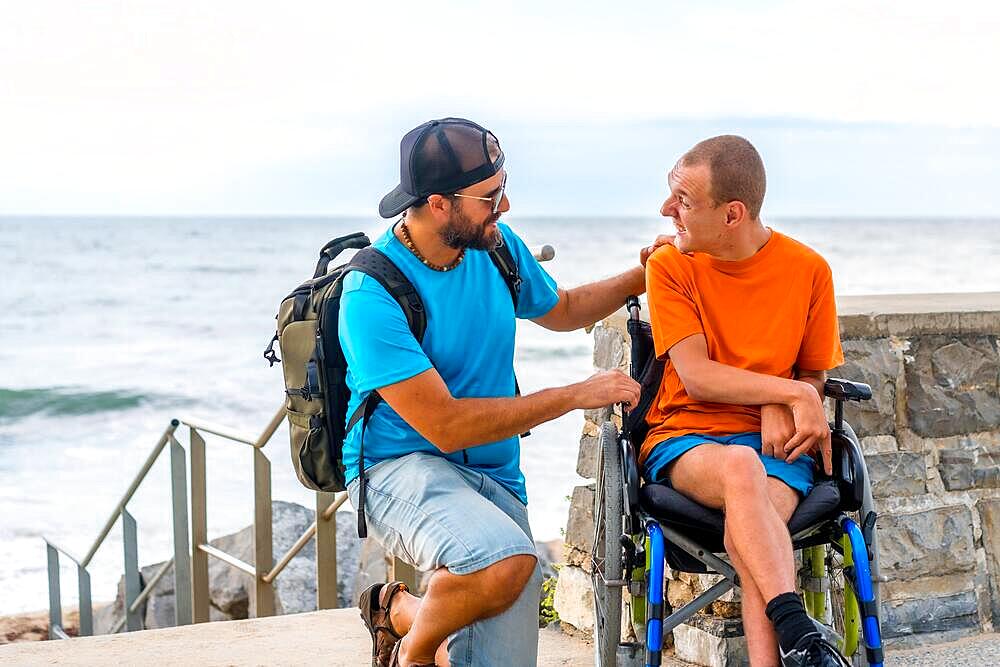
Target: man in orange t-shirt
[(748, 320)]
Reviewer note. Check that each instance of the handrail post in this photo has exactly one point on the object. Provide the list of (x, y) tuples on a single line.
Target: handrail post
[(326, 553), (182, 548), (199, 531), (262, 539), (86, 606), (133, 587), (55, 599)]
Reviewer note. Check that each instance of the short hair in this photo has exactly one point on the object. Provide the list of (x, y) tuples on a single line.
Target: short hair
[(737, 172)]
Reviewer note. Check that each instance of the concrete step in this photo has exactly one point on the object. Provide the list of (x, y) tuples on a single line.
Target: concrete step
[(334, 638)]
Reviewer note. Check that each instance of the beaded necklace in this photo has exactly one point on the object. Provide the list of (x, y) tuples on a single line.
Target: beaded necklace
[(408, 241)]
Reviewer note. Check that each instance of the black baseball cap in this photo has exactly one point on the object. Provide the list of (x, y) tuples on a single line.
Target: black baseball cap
[(441, 157)]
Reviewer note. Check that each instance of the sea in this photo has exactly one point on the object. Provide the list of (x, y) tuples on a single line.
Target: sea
[(111, 327)]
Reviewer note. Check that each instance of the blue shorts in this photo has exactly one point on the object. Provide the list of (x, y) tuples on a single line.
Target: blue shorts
[(798, 474)]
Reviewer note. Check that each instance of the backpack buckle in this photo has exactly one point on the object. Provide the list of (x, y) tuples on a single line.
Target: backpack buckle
[(270, 354)]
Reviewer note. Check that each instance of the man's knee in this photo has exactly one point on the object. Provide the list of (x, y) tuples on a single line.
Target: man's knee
[(508, 577), (743, 470)]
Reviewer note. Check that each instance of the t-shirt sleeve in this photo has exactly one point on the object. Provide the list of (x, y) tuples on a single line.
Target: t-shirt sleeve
[(673, 314), (821, 350), (378, 345), (539, 293)]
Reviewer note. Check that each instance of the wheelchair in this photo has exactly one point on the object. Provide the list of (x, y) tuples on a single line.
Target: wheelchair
[(640, 528)]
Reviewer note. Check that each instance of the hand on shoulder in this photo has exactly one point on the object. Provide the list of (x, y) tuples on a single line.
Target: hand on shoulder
[(660, 241)]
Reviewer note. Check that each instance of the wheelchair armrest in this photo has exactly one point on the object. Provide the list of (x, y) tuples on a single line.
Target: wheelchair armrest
[(849, 469), (845, 390)]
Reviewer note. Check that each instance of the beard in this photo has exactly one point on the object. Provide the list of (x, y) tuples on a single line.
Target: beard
[(462, 232)]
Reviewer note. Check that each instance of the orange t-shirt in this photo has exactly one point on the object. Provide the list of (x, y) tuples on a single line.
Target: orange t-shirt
[(771, 313)]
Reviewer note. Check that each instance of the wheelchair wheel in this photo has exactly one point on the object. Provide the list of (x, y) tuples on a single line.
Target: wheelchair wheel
[(606, 553)]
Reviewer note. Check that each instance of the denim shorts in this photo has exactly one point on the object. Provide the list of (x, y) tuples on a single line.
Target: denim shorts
[(433, 514), (798, 474)]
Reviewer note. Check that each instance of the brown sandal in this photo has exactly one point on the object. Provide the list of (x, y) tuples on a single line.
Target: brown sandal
[(375, 604), (394, 659)]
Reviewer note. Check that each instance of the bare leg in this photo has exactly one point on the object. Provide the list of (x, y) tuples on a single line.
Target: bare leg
[(732, 478), (762, 642), (454, 601), (404, 609)]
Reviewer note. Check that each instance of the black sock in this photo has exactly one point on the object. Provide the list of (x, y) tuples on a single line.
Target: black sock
[(790, 620)]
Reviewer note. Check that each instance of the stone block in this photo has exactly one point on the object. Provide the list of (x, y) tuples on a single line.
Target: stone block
[(928, 587), (875, 363), (989, 515), (574, 599), (935, 542), (710, 641), (580, 526), (897, 474), (586, 457), (955, 468), (879, 444), (609, 348), (596, 417), (952, 385), (986, 477), (952, 612)]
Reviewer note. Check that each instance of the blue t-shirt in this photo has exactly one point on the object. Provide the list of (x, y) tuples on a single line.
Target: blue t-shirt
[(469, 340)]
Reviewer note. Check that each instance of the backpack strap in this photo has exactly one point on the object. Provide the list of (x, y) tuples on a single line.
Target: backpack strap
[(375, 263), (504, 261)]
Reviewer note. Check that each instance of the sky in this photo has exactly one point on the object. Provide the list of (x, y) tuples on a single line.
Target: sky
[(297, 108)]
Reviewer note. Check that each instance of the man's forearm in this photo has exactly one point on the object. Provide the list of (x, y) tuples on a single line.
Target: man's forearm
[(476, 421), (713, 382), (594, 301)]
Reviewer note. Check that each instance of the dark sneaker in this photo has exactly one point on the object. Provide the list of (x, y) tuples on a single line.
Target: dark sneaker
[(813, 651)]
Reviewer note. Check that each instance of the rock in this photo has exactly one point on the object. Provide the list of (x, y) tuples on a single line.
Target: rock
[(231, 591), (953, 612), (580, 526), (879, 444), (609, 349), (34, 626), (586, 460), (955, 468), (930, 543), (989, 514), (574, 599), (986, 477), (875, 363), (897, 474), (596, 417), (710, 641), (952, 385)]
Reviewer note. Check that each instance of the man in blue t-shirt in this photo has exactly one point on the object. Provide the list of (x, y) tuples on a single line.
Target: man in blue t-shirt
[(444, 489)]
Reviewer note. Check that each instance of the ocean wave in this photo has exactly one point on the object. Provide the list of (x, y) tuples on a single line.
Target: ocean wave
[(65, 402), (539, 353)]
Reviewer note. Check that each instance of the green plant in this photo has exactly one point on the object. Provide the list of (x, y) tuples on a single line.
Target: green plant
[(546, 608)]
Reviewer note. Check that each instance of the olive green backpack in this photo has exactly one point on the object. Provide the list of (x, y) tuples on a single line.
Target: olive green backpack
[(316, 393)]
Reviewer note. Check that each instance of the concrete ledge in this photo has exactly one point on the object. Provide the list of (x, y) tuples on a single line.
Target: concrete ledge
[(875, 316), (336, 638)]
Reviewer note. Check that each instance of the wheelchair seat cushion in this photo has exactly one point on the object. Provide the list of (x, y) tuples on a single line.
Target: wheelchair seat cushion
[(705, 526)]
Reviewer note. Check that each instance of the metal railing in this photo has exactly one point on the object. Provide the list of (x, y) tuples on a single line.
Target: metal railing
[(134, 593), (191, 545)]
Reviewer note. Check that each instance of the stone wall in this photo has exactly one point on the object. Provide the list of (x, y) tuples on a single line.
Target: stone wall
[(931, 437)]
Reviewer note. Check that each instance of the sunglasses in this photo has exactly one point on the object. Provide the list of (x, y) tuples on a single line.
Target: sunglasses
[(495, 199)]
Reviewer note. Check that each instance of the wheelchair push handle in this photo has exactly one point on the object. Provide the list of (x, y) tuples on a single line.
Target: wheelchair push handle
[(632, 305)]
